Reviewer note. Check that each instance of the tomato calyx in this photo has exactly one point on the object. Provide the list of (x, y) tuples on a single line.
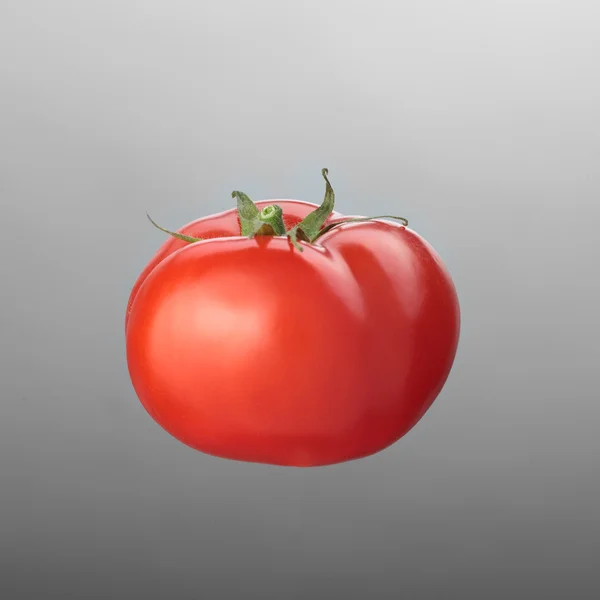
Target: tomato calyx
[(269, 220)]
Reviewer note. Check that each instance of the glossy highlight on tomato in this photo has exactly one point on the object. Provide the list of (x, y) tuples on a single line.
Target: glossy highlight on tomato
[(246, 348)]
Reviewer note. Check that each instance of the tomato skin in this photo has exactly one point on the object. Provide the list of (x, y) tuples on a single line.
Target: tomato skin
[(250, 350)]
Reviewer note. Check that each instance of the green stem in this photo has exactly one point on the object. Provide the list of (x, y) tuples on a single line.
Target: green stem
[(268, 221), (272, 218)]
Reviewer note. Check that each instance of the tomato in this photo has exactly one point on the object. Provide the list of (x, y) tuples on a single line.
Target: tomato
[(247, 349)]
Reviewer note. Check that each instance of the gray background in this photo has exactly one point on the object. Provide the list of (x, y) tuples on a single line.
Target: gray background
[(476, 119)]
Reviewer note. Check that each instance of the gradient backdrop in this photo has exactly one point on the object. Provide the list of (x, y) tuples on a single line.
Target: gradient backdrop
[(478, 120)]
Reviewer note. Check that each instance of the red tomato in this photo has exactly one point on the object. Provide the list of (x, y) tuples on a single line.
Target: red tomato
[(250, 350)]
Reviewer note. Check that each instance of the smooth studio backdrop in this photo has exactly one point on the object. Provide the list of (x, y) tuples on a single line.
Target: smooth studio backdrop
[(479, 121)]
